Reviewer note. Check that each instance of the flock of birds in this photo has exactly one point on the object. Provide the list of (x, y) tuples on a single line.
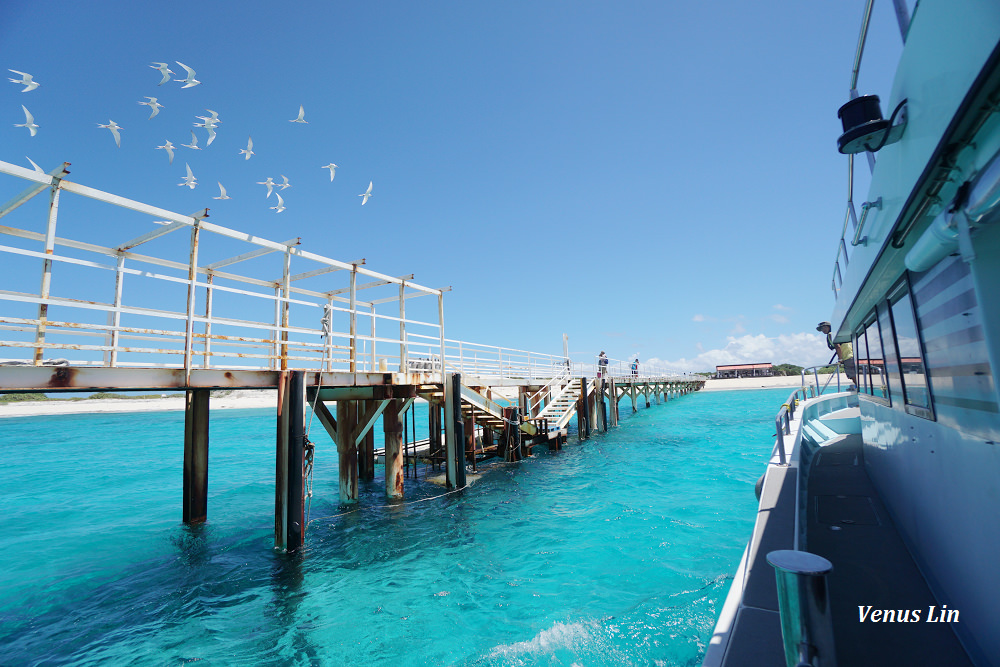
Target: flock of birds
[(208, 123)]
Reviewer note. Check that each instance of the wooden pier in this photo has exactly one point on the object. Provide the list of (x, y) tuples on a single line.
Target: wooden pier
[(188, 325)]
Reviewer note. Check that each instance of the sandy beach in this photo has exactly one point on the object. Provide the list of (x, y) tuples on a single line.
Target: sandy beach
[(243, 398), (267, 398), (756, 383)]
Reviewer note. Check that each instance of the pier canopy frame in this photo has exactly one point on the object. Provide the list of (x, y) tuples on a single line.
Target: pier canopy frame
[(177, 291)]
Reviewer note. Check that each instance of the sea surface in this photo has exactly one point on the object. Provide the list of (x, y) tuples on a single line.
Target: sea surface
[(615, 551)]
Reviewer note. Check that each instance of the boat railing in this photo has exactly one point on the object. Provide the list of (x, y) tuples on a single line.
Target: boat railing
[(815, 389), (783, 422), (851, 216)]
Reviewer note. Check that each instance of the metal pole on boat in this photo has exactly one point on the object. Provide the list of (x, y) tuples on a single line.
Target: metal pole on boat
[(804, 606)]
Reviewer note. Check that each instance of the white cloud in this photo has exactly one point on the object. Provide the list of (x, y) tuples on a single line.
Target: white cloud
[(780, 319), (802, 349), (778, 306), (698, 318), (738, 329)]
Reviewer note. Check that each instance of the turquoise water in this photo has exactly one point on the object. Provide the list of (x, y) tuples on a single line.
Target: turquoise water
[(615, 551)]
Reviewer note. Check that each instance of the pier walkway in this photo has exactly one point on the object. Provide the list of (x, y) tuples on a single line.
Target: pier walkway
[(179, 303)]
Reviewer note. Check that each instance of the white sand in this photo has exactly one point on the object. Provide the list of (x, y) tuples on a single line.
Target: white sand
[(755, 383), (244, 398)]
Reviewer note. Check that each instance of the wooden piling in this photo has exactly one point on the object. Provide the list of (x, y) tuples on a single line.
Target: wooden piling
[(393, 429), (613, 395), (603, 410), (366, 449), (196, 410), (469, 427), (289, 505), (434, 432), (347, 451), (454, 432)]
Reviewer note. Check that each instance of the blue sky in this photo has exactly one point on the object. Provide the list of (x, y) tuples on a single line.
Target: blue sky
[(657, 179)]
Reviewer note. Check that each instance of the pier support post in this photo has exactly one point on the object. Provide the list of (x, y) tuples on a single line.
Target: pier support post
[(196, 410), (603, 409), (454, 432), (393, 429), (347, 451), (469, 426), (366, 450), (631, 395), (613, 395), (434, 433), (289, 505)]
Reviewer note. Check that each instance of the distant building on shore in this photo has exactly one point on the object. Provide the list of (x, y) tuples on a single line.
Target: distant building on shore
[(744, 371)]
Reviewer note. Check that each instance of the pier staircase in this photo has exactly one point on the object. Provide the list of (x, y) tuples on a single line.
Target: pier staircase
[(563, 394)]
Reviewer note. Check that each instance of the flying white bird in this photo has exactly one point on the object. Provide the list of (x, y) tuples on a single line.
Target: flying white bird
[(25, 80), (29, 122), (169, 147), (214, 118), (366, 194), (222, 193), (189, 180), (301, 118), (333, 170), (194, 142), (209, 125), (269, 183), (114, 127), (37, 168), (152, 104), (284, 185), (281, 204), (164, 70), (248, 150), (190, 80)]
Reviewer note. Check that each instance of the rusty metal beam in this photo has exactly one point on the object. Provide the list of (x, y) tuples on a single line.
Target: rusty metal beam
[(54, 177), (323, 270), (377, 283), (249, 255), (161, 231)]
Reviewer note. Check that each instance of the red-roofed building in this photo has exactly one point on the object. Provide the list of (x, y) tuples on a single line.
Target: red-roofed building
[(744, 370)]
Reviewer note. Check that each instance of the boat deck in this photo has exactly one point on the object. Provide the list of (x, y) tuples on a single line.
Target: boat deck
[(849, 526)]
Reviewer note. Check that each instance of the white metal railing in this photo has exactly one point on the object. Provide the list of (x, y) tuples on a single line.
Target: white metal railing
[(185, 306), (109, 305)]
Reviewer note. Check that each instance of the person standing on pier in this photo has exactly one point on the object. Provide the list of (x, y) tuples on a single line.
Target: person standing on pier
[(635, 366), (602, 365)]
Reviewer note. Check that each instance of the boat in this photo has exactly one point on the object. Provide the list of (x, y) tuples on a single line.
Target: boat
[(877, 532)]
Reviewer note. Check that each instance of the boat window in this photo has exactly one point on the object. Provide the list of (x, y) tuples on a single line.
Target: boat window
[(871, 361), (912, 372), (892, 375)]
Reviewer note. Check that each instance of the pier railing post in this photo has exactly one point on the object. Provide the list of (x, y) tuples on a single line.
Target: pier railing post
[(196, 408)]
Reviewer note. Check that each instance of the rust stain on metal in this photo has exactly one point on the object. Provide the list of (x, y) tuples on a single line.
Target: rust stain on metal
[(62, 376)]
